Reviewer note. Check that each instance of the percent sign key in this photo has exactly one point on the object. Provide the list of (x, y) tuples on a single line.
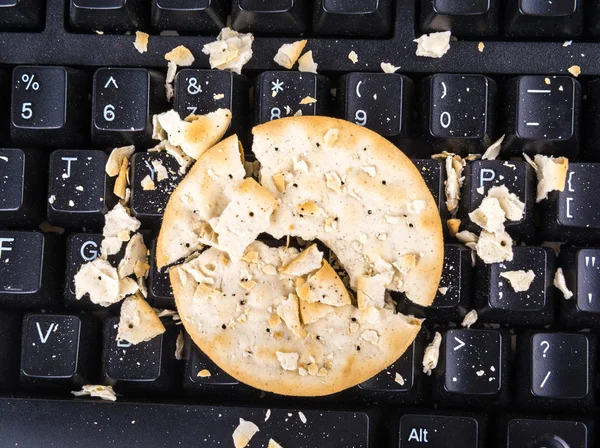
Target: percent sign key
[(47, 106)]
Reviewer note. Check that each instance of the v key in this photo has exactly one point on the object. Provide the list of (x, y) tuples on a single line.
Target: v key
[(51, 328)]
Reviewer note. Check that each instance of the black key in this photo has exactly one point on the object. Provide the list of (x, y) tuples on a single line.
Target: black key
[(473, 368), (581, 268), (352, 17), (149, 205), (21, 14), (453, 299), (592, 115), (79, 191), (540, 432), (10, 334), (471, 19), (203, 91), (22, 187), (108, 15), (542, 18), (124, 101), (459, 112), (196, 16), (59, 351), (148, 367), (593, 11), (496, 299), (278, 95), (433, 175), (572, 215), (543, 115), (31, 266), (70, 423), (5, 106), (557, 370), (49, 106), (281, 17), (441, 431), (379, 101), (160, 293), (517, 176)]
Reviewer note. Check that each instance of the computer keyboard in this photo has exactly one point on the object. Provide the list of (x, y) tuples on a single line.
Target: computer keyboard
[(73, 87)]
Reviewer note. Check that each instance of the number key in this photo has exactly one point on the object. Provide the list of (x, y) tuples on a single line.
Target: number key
[(199, 16), (287, 17), (109, 15), (352, 17), (473, 18)]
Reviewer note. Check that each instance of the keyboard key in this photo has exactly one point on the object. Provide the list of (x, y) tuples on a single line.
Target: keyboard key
[(551, 433), (437, 431), (433, 174), (49, 106), (124, 101), (21, 14), (22, 187), (281, 17), (160, 293), (379, 101), (592, 115), (194, 16), (10, 331), (459, 112), (278, 95), (5, 106), (558, 370), (370, 18), (517, 176), (203, 91), (470, 19), (543, 116), (542, 18), (108, 15), (146, 368), (149, 205), (79, 192), (59, 351), (496, 299), (31, 266), (473, 368)]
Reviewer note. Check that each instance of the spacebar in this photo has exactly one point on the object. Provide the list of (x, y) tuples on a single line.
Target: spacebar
[(35, 423)]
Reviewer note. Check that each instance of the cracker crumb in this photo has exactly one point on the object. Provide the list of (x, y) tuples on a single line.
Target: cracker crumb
[(386, 67), (489, 215), (567, 43), (141, 41), (469, 319), (443, 290), (302, 417), (273, 444), (547, 81), (494, 248), (399, 379), (575, 70), (466, 237), (138, 321), (434, 45), (370, 336), (231, 50), (179, 344), (160, 170), (519, 280), (432, 354), (204, 373), (494, 150), (480, 373), (561, 283), (480, 47), (181, 56), (51, 199), (306, 63), (267, 415), (551, 174), (353, 57), (96, 390), (244, 433), (218, 96), (308, 100), (115, 159), (453, 226), (288, 54), (147, 183), (288, 361)]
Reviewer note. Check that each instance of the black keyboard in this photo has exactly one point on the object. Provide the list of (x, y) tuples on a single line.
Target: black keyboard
[(73, 86)]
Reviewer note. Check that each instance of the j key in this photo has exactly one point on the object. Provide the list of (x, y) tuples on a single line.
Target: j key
[(108, 15), (10, 331), (21, 14), (352, 17), (497, 300), (22, 187), (433, 175), (49, 105), (79, 193), (204, 91), (289, 17), (520, 432), (124, 101), (379, 101), (196, 16), (148, 367), (160, 293), (149, 205), (453, 299), (474, 18), (30, 267), (279, 94), (543, 18), (517, 176), (473, 368), (59, 351), (543, 115), (459, 112), (556, 370), (572, 215), (441, 431), (581, 268), (70, 423)]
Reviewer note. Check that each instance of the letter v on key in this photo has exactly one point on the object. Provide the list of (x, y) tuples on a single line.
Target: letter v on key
[(44, 338)]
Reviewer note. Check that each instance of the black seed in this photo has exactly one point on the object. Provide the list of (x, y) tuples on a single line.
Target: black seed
[(251, 213), (223, 326), (354, 319), (370, 212), (383, 182), (358, 348)]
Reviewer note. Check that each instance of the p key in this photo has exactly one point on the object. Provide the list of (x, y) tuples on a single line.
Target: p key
[(543, 115), (352, 17), (288, 17)]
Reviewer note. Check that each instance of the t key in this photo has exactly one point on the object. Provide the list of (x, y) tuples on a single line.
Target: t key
[(288, 17), (543, 115), (108, 15), (124, 101), (197, 16), (278, 95), (49, 105), (543, 18), (474, 18), (79, 193), (459, 112), (352, 17)]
